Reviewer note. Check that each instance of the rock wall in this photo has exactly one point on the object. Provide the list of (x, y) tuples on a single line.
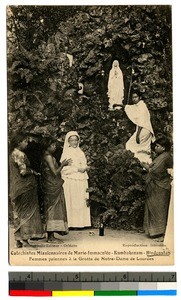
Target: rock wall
[(44, 98)]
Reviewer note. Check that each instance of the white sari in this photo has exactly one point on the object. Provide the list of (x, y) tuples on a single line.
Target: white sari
[(140, 116)]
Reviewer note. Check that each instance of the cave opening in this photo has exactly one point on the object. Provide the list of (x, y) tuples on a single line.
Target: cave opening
[(118, 52)]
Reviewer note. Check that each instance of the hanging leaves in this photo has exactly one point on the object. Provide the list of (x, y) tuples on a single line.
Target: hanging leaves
[(43, 96)]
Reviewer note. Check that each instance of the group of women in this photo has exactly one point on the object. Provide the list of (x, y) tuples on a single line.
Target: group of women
[(65, 185)]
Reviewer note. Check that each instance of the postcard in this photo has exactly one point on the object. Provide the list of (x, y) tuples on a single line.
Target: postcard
[(90, 133)]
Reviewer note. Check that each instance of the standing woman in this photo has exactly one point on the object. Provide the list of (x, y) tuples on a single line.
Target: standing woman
[(158, 190), (23, 194), (169, 229), (75, 183), (56, 216)]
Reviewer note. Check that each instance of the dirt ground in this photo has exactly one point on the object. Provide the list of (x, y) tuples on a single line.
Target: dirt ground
[(90, 236), (86, 247)]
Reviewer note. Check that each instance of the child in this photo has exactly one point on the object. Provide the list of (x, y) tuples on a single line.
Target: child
[(75, 182)]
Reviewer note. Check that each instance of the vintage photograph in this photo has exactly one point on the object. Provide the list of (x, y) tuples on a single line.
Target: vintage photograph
[(90, 135)]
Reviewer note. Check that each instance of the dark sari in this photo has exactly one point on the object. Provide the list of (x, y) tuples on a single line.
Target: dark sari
[(158, 195), (52, 186), (24, 198)]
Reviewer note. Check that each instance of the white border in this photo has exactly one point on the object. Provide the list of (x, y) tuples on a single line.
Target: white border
[(4, 266)]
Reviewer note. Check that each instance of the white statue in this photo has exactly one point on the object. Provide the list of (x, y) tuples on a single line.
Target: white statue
[(71, 59), (81, 88), (115, 86)]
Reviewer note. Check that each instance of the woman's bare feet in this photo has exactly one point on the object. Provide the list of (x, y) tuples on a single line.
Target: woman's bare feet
[(22, 243), (62, 232), (19, 244), (52, 239), (25, 243), (159, 239)]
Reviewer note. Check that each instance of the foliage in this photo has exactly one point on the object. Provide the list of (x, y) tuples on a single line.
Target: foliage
[(43, 96)]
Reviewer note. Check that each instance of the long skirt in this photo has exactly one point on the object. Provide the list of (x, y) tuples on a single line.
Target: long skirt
[(156, 210), (169, 229), (27, 220), (142, 151), (78, 213), (56, 215)]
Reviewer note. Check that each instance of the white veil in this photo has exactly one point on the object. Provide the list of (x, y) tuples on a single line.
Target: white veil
[(66, 145), (112, 71)]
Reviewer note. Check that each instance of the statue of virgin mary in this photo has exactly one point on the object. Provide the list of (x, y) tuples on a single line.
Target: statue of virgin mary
[(115, 86)]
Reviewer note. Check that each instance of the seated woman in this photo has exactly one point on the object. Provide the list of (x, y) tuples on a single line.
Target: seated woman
[(23, 194), (140, 142), (158, 190), (56, 215)]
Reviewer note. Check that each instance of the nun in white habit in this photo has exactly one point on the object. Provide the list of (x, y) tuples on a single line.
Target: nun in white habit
[(75, 183)]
